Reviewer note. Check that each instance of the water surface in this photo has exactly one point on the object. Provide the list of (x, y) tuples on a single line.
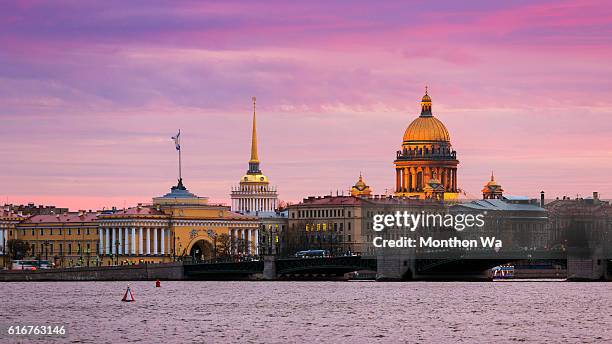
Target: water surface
[(313, 312)]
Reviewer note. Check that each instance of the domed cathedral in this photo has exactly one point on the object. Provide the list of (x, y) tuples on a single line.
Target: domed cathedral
[(426, 166), (254, 194)]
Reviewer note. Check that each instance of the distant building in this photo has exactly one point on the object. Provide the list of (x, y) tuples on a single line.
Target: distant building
[(580, 222), (8, 223), (66, 239), (254, 193), (32, 209), (426, 155), (518, 221)]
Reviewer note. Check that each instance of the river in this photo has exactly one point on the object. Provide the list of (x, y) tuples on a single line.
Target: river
[(311, 312)]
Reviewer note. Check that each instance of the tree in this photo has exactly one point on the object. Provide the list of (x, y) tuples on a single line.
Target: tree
[(224, 246), (17, 248)]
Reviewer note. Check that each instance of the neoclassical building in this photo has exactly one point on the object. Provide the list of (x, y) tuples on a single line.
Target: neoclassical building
[(254, 194), (178, 224), (426, 165)]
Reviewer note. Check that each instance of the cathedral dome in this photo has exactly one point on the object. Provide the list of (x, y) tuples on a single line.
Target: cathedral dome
[(426, 129)]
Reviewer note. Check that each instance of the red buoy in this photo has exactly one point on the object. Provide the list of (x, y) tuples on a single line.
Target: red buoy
[(157, 284), (128, 297)]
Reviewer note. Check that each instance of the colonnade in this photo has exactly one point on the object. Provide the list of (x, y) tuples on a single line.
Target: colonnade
[(414, 179), (134, 241), (249, 241), (253, 204)]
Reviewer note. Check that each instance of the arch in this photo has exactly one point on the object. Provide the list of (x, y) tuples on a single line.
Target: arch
[(200, 249)]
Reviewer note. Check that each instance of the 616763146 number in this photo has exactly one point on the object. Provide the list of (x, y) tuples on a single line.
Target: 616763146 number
[(36, 330)]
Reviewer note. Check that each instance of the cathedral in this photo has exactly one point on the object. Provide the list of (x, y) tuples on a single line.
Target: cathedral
[(426, 165), (254, 194)]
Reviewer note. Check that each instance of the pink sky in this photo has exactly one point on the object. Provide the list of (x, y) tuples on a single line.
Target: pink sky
[(90, 93)]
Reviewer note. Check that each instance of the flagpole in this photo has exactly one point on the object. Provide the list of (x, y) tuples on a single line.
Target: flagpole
[(180, 174)]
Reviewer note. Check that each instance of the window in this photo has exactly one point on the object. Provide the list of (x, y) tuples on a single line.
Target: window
[(61, 249), (60, 231), (42, 232), (69, 248), (51, 231), (78, 231), (349, 237), (69, 231), (33, 233), (349, 228)]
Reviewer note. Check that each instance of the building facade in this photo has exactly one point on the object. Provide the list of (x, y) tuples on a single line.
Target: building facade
[(67, 239), (254, 193), (426, 159), (177, 225), (8, 224)]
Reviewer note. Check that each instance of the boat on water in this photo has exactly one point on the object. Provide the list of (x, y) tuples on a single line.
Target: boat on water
[(503, 272)]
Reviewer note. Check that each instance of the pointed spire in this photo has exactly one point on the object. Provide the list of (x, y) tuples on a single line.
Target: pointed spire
[(492, 178), (254, 162), (254, 156)]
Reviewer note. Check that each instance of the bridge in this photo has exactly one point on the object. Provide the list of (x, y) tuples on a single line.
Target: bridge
[(394, 265), (291, 268)]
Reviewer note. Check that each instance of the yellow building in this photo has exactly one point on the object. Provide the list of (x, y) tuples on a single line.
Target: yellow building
[(427, 163), (67, 239), (8, 224), (360, 188), (178, 224)]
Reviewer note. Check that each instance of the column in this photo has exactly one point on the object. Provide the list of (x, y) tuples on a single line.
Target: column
[(101, 236), (398, 179), (133, 240), (126, 241), (250, 243), (163, 241), (114, 237), (107, 241), (405, 179), (256, 242), (229, 232), (120, 238), (243, 241), (148, 241), (140, 247), (155, 241), (454, 179), (235, 241)]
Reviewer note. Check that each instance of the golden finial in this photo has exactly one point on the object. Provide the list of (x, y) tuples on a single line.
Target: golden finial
[(492, 178)]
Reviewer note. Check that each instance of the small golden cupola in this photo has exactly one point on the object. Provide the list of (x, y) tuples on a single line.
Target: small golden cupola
[(492, 190), (360, 188)]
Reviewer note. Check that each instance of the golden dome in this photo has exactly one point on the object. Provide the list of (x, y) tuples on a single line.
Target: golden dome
[(426, 129)]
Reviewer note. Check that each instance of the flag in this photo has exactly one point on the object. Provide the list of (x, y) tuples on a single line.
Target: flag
[(177, 140)]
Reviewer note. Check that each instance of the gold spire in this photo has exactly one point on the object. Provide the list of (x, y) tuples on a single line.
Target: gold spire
[(254, 157)]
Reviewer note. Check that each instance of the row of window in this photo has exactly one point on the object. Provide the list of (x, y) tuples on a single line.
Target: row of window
[(310, 213), (64, 248), (335, 227), (58, 231)]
